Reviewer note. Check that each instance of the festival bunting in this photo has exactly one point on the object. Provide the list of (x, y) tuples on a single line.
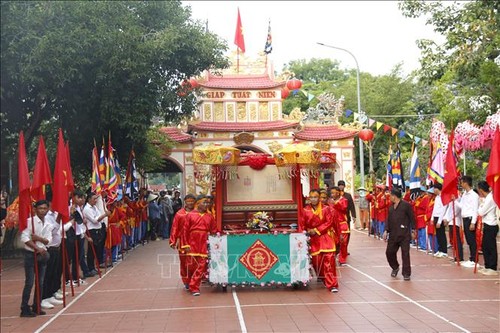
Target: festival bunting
[(493, 172), (450, 181), (41, 175), (23, 185)]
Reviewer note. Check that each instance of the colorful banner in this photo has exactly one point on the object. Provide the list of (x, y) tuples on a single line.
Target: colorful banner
[(259, 259)]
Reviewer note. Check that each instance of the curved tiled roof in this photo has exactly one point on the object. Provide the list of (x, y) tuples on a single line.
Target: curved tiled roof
[(176, 134), (240, 82), (275, 125), (324, 132)]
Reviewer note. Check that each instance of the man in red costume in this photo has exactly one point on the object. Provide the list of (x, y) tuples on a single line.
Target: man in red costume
[(176, 234), (317, 221), (431, 229), (382, 203), (420, 207), (339, 205), (197, 226)]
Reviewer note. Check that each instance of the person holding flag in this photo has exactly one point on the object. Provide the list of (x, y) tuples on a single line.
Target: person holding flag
[(382, 203), (420, 208), (437, 219), (35, 238), (487, 211), (470, 205)]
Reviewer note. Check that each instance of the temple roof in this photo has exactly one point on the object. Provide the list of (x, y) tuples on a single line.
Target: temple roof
[(275, 125), (245, 82), (176, 134), (324, 132)]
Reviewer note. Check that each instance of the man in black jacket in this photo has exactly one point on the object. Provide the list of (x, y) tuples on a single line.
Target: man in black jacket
[(399, 231)]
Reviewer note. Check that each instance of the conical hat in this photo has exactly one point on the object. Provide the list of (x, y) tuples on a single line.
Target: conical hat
[(152, 197)]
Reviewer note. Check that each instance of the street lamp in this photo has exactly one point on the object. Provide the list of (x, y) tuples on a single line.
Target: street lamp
[(362, 116)]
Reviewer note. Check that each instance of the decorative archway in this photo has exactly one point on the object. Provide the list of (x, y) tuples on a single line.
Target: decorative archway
[(171, 175)]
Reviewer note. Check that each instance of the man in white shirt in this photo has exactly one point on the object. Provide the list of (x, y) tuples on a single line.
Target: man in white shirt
[(469, 203), (35, 238), (77, 215), (487, 210), (92, 217), (437, 217), (52, 280)]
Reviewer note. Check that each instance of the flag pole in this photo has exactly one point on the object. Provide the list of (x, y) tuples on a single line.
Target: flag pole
[(37, 276), (455, 241), (480, 222), (237, 59)]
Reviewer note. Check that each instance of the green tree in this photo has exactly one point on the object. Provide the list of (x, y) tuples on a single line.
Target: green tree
[(462, 75), (317, 75), (97, 67), (465, 69), (384, 97)]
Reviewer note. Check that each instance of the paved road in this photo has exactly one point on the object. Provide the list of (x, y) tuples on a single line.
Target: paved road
[(144, 294)]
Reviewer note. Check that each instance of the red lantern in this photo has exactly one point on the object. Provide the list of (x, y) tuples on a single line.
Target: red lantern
[(284, 93), (366, 134), (294, 84), (193, 83)]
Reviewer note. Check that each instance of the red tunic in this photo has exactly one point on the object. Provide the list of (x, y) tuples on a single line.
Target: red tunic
[(177, 226), (371, 199), (420, 209), (340, 214), (322, 224), (114, 234), (382, 203), (196, 229)]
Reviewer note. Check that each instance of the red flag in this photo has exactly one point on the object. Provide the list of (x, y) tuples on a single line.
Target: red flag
[(493, 172), (71, 184), (60, 199), (24, 184), (450, 181), (239, 41), (41, 176)]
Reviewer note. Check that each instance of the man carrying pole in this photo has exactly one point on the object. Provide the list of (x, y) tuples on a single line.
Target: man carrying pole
[(35, 238)]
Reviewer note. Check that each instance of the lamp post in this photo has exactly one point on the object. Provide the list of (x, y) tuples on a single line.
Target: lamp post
[(361, 114)]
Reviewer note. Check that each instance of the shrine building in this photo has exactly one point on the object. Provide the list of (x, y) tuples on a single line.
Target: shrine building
[(242, 108)]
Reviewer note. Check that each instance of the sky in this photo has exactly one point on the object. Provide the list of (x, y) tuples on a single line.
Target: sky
[(375, 32)]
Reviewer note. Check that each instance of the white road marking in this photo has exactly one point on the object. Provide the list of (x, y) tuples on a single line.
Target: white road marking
[(239, 312), (41, 328), (410, 300)]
